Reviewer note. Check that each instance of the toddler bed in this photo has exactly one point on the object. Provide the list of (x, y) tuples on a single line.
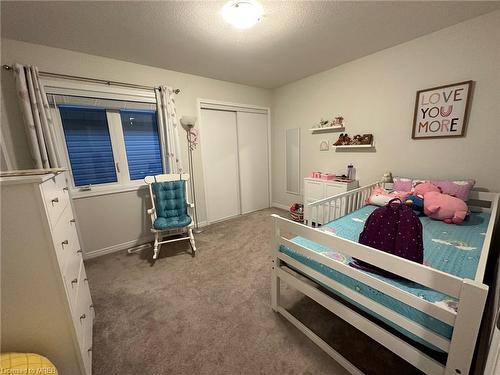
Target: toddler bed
[(438, 304)]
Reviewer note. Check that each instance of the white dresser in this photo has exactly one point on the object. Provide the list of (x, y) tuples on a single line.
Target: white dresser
[(46, 306), (316, 189)]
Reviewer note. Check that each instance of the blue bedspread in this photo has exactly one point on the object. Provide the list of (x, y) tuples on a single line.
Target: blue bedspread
[(454, 249)]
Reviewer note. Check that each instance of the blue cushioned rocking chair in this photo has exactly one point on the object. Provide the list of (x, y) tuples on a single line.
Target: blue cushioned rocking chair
[(169, 215)]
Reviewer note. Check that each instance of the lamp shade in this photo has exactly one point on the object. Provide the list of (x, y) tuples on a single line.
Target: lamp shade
[(188, 122)]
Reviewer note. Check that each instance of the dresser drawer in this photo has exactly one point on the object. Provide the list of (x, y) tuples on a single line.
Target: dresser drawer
[(86, 349), (56, 196), (61, 236), (88, 323), (87, 356), (72, 277), (313, 190), (65, 238), (334, 189), (83, 313)]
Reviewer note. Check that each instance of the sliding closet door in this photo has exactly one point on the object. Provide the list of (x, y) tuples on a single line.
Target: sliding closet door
[(219, 146), (253, 161)]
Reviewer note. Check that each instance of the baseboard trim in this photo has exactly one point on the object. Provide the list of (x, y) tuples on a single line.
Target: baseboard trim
[(117, 247), (279, 205), (202, 224), (125, 245)]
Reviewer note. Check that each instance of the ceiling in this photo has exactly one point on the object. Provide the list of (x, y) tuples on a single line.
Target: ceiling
[(294, 39)]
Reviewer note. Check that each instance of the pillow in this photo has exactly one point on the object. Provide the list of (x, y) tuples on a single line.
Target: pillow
[(458, 188), (402, 184), (380, 196)]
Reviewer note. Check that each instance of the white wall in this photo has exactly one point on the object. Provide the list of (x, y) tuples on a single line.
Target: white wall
[(376, 94), (107, 221)]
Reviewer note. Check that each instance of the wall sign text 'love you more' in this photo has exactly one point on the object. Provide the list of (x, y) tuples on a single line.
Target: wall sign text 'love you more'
[(442, 111)]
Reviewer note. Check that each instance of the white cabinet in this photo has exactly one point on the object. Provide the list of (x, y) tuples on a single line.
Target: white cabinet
[(316, 189), (46, 306)]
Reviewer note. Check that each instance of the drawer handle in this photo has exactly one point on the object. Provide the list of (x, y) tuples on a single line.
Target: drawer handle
[(86, 279), (83, 316), (72, 221), (65, 188), (65, 242), (74, 281), (91, 306), (79, 251), (89, 349), (55, 200)]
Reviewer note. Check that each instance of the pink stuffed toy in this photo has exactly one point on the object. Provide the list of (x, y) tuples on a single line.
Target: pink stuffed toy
[(425, 187), (445, 207), (380, 196)]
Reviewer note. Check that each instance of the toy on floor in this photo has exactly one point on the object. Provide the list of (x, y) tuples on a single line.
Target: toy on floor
[(297, 212)]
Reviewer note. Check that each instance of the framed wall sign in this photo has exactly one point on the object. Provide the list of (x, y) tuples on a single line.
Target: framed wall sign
[(442, 112)]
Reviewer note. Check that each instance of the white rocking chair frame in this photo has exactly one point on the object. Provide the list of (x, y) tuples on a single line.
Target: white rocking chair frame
[(160, 234)]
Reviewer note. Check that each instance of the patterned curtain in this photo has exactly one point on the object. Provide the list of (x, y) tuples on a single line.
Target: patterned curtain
[(168, 128), (37, 117)]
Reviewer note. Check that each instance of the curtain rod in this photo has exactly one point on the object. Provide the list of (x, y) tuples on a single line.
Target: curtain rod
[(94, 80)]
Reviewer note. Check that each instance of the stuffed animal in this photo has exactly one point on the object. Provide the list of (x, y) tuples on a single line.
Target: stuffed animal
[(445, 207), (416, 200), (425, 187), (380, 196), (416, 203)]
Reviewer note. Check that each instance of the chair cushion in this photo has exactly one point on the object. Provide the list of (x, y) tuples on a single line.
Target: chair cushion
[(171, 206), (171, 222)]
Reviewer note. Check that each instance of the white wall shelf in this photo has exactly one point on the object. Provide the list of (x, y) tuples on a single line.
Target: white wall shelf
[(354, 147), (328, 129)]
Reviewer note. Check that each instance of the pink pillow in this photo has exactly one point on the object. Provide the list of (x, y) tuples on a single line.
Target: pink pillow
[(402, 184), (380, 196), (459, 188)]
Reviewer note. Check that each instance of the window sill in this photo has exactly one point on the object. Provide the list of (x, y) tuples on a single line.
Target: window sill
[(105, 190)]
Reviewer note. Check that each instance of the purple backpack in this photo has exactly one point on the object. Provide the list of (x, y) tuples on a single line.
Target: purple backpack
[(395, 229)]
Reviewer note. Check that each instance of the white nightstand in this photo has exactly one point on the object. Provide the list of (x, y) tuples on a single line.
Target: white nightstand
[(316, 189)]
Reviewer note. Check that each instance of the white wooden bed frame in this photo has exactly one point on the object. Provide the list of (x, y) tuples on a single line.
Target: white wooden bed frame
[(470, 293)]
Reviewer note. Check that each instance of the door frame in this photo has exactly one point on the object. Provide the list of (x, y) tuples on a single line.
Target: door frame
[(199, 102)]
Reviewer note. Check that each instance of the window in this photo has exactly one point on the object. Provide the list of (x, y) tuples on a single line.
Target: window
[(140, 133), (109, 143), (89, 145)]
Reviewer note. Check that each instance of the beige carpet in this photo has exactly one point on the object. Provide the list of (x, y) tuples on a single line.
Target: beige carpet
[(211, 314)]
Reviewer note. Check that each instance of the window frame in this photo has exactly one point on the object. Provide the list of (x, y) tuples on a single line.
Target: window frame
[(66, 87)]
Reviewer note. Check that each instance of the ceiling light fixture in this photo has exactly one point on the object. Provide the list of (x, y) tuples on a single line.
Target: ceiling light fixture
[(242, 14)]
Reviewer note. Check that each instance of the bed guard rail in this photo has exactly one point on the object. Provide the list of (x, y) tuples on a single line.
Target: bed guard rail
[(471, 294), (325, 210)]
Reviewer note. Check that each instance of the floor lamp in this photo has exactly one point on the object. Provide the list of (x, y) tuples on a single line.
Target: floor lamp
[(188, 123)]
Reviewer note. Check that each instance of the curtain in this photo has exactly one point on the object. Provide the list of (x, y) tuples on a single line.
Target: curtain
[(168, 128), (37, 117)]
